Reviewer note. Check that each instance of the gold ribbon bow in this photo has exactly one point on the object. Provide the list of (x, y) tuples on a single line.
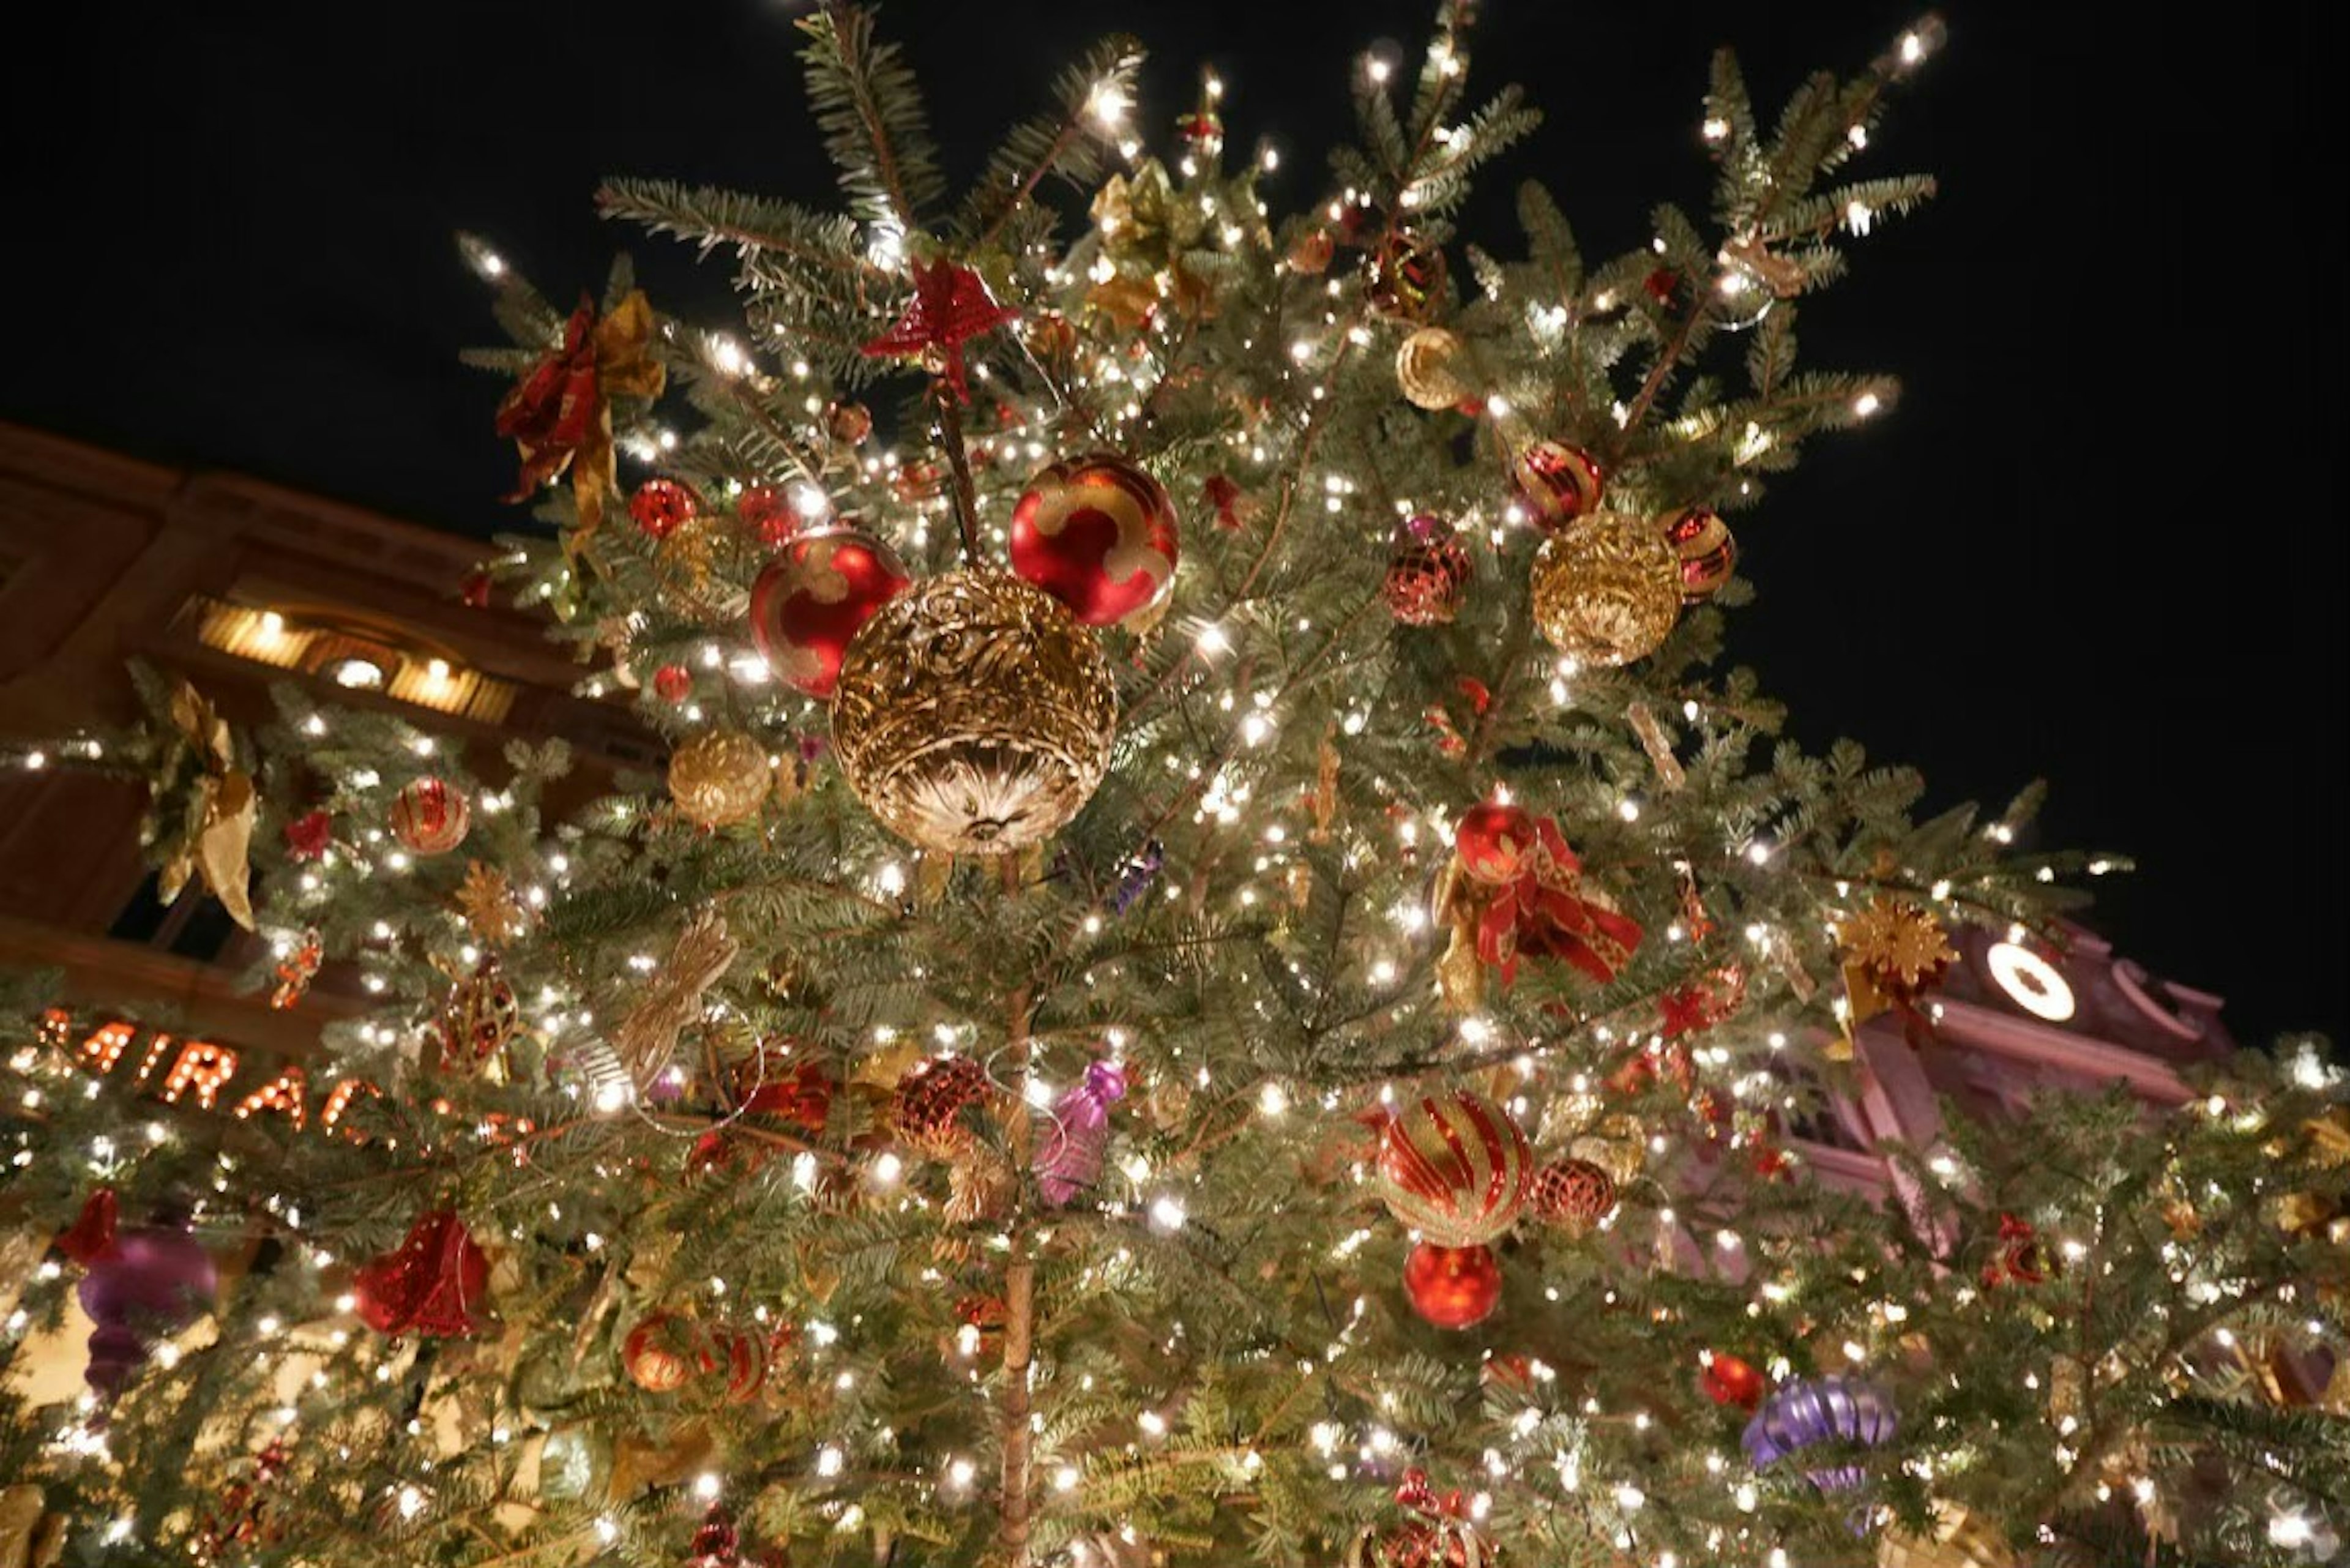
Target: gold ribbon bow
[(213, 802)]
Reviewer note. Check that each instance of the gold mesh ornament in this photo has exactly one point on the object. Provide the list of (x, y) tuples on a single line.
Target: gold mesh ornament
[(1961, 1539), (975, 715), (1607, 590), (1424, 370), (719, 777)]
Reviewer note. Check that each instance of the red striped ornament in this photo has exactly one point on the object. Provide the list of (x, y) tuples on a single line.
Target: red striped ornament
[(1454, 1168), (429, 816)]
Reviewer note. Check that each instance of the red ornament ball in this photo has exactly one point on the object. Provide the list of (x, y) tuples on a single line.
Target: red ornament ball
[(662, 1353), (927, 1110), (662, 506), (849, 423), (1573, 1194), (810, 600), (767, 513), (1427, 572), (673, 683), (429, 816), (1453, 1168), (1730, 1381), (1556, 483), (1708, 554), (1495, 842), (1098, 533), (1452, 1287)]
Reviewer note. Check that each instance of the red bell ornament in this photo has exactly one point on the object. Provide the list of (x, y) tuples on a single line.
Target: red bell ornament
[(813, 597), (1453, 1168), (1452, 1287), (1556, 483), (429, 816), (1495, 841), (1098, 533)]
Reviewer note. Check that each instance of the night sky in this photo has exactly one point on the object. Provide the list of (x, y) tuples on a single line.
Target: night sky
[(2100, 540)]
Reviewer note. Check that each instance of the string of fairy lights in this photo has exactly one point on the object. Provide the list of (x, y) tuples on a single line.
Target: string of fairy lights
[(1543, 1457)]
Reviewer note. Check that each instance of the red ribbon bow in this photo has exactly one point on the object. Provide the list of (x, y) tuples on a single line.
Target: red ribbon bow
[(1542, 913), (1414, 1493), (951, 306)]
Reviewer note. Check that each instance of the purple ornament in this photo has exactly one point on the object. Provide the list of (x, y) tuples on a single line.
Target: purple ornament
[(155, 1282), (1134, 879), (1069, 1157), (1813, 1411)]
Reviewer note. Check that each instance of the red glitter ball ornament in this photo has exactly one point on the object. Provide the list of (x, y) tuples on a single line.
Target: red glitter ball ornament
[(673, 683), (662, 506), (1495, 841), (927, 1110), (1427, 572), (309, 836), (1452, 1287), (1097, 534), (812, 598), (429, 816), (767, 513), (432, 1283), (849, 423), (1573, 1194), (1730, 1381), (1556, 483)]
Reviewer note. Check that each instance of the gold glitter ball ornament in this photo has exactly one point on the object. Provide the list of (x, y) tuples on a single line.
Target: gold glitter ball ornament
[(975, 715), (719, 777), (1607, 590), (1424, 370)]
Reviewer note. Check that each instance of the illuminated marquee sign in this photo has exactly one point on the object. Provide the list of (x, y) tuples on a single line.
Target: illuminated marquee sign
[(199, 1072)]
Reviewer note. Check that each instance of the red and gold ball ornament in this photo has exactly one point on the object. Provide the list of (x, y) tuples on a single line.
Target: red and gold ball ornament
[(662, 506), (662, 1353), (1730, 1381), (480, 1019), (1708, 554), (1575, 1195), (1098, 533), (766, 512), (849, 423), (1452, 1287), (429, 816), (813, 597), (1453, 1168), (1495, 842), (927, 1109), (1427, 572), (1556, 483), (1406, 277)]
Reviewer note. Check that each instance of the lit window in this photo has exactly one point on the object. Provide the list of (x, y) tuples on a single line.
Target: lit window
[(357, 674)]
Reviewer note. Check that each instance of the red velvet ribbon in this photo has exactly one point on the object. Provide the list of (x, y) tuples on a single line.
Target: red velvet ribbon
[(1542, 914), (556, 406)]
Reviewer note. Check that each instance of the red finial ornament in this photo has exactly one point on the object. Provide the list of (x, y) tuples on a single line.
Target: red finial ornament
[(951, 306)]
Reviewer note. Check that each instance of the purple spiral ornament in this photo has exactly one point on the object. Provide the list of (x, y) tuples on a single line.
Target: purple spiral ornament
[(1070, 1157), (154, 1284), (1820, 1410)]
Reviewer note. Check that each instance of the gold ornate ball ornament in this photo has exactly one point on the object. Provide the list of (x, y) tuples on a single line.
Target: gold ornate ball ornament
[(719, 777), (1961, 1539), (975, 715), (1607, 590), (1424, 370)]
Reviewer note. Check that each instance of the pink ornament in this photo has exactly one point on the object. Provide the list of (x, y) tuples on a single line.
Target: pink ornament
[(1069, 1156)]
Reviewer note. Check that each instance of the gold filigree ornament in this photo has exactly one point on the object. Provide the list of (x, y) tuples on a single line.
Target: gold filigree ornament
[(975, 715), (669, 1001), (486, 903), (1425, 369), (719, 777), (1607, 590)]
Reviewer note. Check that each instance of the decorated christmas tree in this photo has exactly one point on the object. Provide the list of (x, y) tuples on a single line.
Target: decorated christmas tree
[(1214, 974)]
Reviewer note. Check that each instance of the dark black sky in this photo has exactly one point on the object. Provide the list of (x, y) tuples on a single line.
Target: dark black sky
[(2101, 540)]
